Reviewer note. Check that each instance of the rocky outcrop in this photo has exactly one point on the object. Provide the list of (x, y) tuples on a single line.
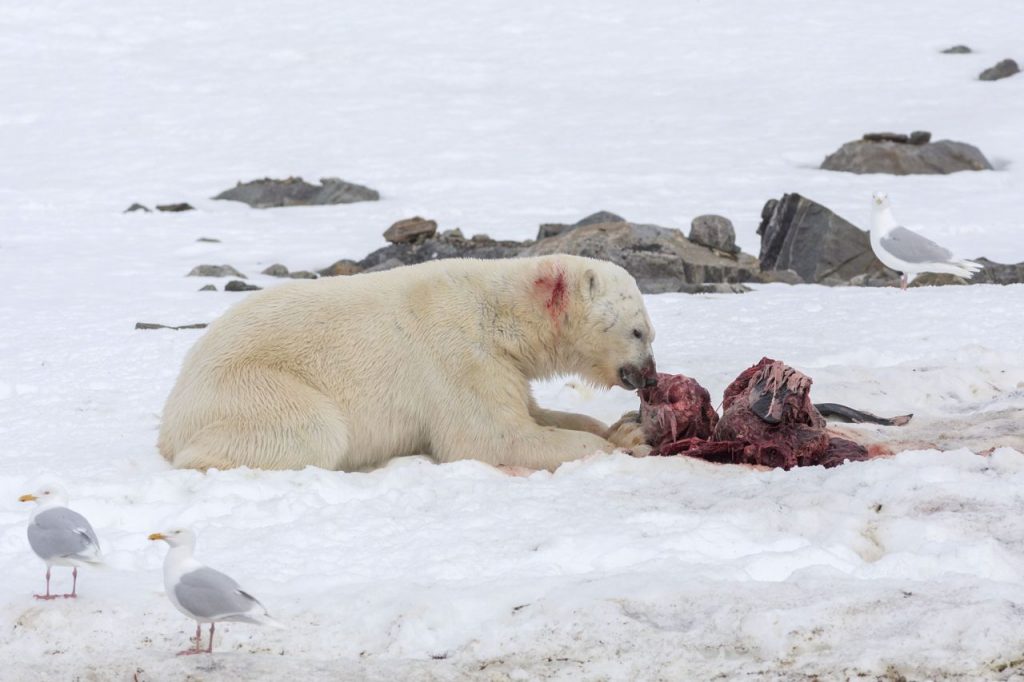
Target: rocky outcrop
[(715, 231), (803, 236), (899, 154), (410, 230), (214, 271), (268, 193), (661, 259), (438, 247), (1003, 69), (998, 273), (554, 229)]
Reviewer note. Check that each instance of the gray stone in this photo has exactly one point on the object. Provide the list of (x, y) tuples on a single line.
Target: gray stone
[(435, 248), (453, 234), (389, 264), (937, 279), (215, 271), (275, 270), (886, 137), (998, 273), (661, 259), (342, 267), (481, 238), (944, 156), (957, 49), (302, 274), (268, 193), (1003, 69), (136, 207), (239, 285), (175, 208), (715, 231), (208, 287), (920, 137), (209, 240), (554, 229), (821, 247), (410, 230)]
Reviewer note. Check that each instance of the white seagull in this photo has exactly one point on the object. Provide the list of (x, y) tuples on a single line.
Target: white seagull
[(59, 536), (203, 594), (907, 252)]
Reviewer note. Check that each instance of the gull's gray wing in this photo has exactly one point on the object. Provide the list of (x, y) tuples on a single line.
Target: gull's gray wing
[(210, 595), (60, 532), (911, 247)]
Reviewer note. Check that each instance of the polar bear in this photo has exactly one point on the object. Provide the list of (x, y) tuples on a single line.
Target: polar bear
[(436, 359)]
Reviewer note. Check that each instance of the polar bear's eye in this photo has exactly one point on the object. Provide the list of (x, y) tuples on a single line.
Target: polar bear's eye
[(638, 334)]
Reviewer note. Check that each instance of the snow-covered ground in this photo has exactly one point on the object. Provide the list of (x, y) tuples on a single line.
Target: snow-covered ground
[(494, 117)]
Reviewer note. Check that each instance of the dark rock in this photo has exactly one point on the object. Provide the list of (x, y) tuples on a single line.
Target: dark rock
[(303, 274), (410, 230), (481, 238), (920, 137), (661, 259), (436, 248), (998, 273), (714, 231), (899, 138), (1003, 69), (239, 285), (453, 234), (957, 49), (208, 287), (275, 270), (937, 279), (389, 264), (554, 229), (341, 267), (208, 239), (214, 271), (175, 208), (155, 325), (944, 156), (817, 244), (136, 207), (268, 193)]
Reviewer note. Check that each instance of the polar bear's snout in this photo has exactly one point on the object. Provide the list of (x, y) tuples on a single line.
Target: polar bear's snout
[(634, 377)]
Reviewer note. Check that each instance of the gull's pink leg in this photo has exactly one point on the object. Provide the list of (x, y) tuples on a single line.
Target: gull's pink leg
[(209, 649), (47, 595), (197, 648), (903, 282), (74, 584)]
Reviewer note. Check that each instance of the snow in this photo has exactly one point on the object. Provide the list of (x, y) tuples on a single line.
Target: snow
[(495, 117)]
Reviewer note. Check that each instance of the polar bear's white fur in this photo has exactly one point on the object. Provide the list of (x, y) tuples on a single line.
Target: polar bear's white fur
[(348, 372)]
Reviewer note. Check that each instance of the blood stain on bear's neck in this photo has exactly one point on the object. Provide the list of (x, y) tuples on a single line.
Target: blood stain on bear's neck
[(551, 287)]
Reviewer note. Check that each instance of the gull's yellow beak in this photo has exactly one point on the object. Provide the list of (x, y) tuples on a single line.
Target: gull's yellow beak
[(27, 498), (157, 536)]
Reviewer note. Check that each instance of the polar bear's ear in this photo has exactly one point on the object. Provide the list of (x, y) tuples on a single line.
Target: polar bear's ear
[(591, 285)]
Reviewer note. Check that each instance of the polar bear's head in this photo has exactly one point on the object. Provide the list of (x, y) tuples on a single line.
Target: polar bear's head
[(611, 333)]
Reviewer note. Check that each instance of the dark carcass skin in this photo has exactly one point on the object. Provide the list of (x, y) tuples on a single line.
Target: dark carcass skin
[(768, 419)]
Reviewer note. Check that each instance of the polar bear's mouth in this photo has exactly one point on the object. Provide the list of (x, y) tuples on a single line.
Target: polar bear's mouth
[(634, 378)]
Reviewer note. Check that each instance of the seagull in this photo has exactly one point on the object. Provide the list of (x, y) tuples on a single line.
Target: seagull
[(59, 536), (907, 252), (203, 594)]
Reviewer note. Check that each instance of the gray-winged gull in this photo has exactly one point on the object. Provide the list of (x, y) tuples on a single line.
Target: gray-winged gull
[(907, 252), (203, 594), (59, 536)]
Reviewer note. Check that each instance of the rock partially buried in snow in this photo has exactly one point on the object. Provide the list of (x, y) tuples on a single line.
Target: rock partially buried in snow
[(239, 285), (269, 193), (410, 230), (1003, 69), (899, 154), (275, 270), (214, 271), (137, 207), (801, 235), (175, 208), (957, 49)]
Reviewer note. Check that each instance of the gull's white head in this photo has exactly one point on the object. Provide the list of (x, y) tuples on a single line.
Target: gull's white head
[(178, 537), (47, 495), (880, 199)]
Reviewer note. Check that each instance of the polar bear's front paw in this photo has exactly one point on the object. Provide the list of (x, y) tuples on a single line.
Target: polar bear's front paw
[(627, 433)]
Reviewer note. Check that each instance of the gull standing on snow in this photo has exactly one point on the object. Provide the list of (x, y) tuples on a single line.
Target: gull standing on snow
[(203, 594), (907, 252), (59, 536)]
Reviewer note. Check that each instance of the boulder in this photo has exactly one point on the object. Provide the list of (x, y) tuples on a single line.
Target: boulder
[(1003, 69), (389, 264), (268, 193), (661, 259), (410, 230), (911, 155), (714, 231), (208, 287), (342, 267), (439, 247), (214, 271), (302, 274), (275, 270), (937, 279), (136, 207), (957, 49), (239, 285), (554, 229), (175, 208), (821, 247), (998, 273)]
